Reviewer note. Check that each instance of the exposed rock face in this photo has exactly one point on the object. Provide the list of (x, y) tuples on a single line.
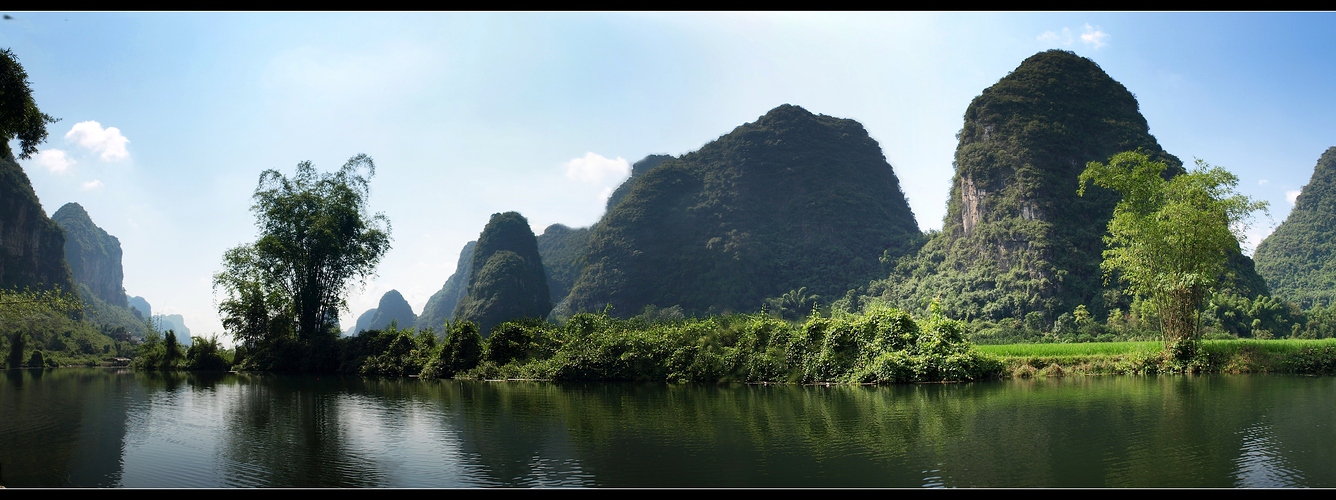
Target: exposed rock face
[(142, 306), (508, 281), (441, 306), (93, 255), (32, 246), (1298, 259), (792, 200), (392, 309)]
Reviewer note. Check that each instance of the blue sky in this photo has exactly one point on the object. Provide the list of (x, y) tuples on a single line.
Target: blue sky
[(470, 114)]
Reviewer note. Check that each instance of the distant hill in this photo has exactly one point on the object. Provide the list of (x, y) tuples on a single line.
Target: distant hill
[(563, 250), (176, 323), (1298, 259), (142, 306), (32, 246), (792, 200), (441, 306), (507, 281), (363, 322), (1016, 237), (392, 308)]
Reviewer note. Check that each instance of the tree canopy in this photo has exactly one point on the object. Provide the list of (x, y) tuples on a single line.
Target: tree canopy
[(1170, 239), (19, 116), (316, 240)]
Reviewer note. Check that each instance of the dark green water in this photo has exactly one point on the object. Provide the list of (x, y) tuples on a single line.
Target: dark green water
[(100, 427)]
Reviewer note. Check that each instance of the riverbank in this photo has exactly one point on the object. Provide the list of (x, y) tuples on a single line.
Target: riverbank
[(1309, 357)]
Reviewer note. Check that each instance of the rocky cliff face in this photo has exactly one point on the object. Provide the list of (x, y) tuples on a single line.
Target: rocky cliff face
[(93, 255), (793, 200), (32, 246)]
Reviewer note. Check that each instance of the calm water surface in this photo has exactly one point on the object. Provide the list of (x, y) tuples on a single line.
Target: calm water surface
[(103, 427)]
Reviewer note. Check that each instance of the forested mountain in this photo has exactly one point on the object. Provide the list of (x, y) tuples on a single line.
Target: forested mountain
[(93, 255), (563, 250), (1298, 259), (441, 306), (637, 169), (507, 281), (32, 246), (791, 200), (1016, 237), (392, 308)]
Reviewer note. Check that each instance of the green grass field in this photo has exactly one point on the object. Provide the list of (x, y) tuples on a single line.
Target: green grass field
[(1279, 346)]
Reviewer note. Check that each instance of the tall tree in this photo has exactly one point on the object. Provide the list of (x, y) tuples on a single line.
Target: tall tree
[(316, 240), (1170, 239)]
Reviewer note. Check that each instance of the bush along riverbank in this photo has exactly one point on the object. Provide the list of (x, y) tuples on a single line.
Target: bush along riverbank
[(1307, 357), (880, 346)]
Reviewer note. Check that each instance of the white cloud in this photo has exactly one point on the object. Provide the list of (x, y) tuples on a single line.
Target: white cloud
[(1292, 196), (1094, 36), (54, 160), (1263, 182), (108, 142), (91, 185), (594, 168), (1065, 38)]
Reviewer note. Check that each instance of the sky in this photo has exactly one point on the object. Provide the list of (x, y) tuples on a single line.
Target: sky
[(168, 119)]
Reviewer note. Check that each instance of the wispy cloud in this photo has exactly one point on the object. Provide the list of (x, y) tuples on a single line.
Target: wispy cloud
[(1263, 182), (54, 160), (1095, 37), (594, 168), (1292, 196), (91, 185), (108, 142), (1063, 38)]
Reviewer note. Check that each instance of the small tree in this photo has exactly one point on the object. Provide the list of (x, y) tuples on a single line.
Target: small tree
[(316, 240), (1169, 239)]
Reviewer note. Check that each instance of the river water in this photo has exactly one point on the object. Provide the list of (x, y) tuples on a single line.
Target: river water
[(115, 428)]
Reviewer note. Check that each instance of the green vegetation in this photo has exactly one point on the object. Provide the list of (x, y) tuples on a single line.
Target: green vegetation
[(1169, 239), (1016, 238), (19, 116), (1314, 357), (34, 257), (882, 346), (563, 250), (46, 325), (791, 200), (508, 281), (283, 292), (1298, 259)]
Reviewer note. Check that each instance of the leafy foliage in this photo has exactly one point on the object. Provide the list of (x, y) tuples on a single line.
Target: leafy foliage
[(19, 116), (508, 281), (1170, 240), (285, 290), (1298, 259), (563, 250), (792, 200)]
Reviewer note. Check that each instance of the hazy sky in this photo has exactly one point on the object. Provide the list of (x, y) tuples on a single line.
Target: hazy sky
[(167, 119)]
